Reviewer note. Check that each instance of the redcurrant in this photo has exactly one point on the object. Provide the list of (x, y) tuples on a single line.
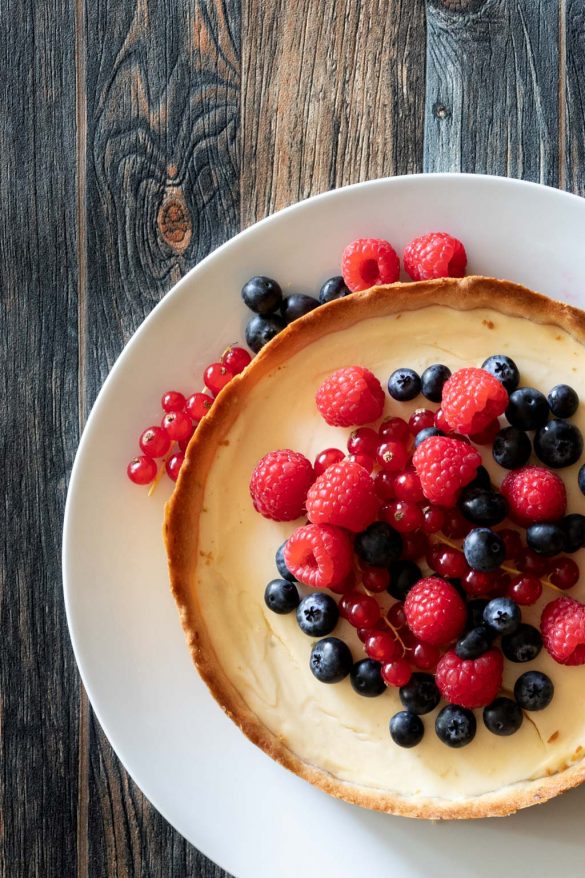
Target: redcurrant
[(364, 440), (376, 579), (425, 656), (420, 419), (382, 646), (363, 460), (154, 441), (173, 401), (525, 590), (394, 430), (433, 519), (364, 612), (142, 470), (392, 456), (384, 485), (198, 405), (216, 376), (236, 359), (564, 572), (327, 458), (403, 516), (173, 465), (407, 486), (178, 426), (396, 673)]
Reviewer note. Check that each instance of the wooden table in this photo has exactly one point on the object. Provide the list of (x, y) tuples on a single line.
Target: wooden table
[(134, 138)]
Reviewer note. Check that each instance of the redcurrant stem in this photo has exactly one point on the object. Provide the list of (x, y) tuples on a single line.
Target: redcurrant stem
[(395, 632), (159, 474), (509, 694)]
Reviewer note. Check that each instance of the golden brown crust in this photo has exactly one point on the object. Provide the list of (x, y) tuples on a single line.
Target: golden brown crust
[(182, 513)]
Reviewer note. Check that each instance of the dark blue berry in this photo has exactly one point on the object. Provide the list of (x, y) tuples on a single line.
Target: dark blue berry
[(523, 645), (482, 479), (330, 660), (475, 610), (581, 479), (511, 448), (281, 564), (504, 369), (404, 385), (403, 575), (484, 550), (379, 545), (474, 643), (558, 444), (317, 614), (426, 433), (262, 295), (527, 409), (366, 678), (534, 690), (481, 506), (281, 596), (420, 695), (433, 380), (563, 401), (455, 726), (574, 528), (406, 729), (260, 330), (502, 615), (334, 288), (546, 538), (502, 717), (297, 305)]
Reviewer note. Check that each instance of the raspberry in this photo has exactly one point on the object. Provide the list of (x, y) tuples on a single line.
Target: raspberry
[(319, 555), (435, 612), (472, 399), (534, 494), (279, 484), (435, 255), (368, 262), (444, 466), (470, 682), (563, 630), (350, 397), (344, 495)]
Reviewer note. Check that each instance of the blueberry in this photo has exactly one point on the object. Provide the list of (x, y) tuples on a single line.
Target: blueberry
[(406, 729), (482, 506), (502, 716), (426, 433), (484, 550), (482, 479), (317, 614), (574, 528), (523, 645), (260, 330), (504, 369), (502, 615), (281, 564), (546, 539), (455, 726), (558, 444), (527, 409), (475, 610), (282, 596), (366, 678), (534, 690), (512, 448), (563, 401), (334, 288), (378, 545), (297, 305), (262, 295), (474, 643), (420, 695), (404, 385), (433, 380), (581, 479), (403, 575), (330, 660)]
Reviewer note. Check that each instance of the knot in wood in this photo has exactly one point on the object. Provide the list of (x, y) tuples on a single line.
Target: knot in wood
[(458, 6), (174, 222), (440, 111)]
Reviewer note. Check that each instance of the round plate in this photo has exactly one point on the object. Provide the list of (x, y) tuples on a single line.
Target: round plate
[(223, 794)]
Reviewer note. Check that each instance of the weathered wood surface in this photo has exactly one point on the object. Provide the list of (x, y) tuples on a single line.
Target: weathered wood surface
[(191, 119)]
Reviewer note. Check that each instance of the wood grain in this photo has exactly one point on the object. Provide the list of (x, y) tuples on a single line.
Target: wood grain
[(573, 26)]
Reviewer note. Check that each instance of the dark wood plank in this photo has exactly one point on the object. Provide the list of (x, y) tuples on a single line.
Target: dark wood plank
[(38, 350), (492, 91), (573, 87)]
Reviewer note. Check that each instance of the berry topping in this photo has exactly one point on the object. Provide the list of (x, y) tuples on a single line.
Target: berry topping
[(435, 611), (279, 485), (421, 419), (504, 369), (407, 486), (197, 406), (534, 690), (178, 426), (281, 564), (447, 561), (563, 401), (433, 519), (563, 630), (534, 494), (482, 506), (172, 401), (420, 695), (433, 380), (581, 479), (563, 573), (394, 430), (350, 397), (404, 385), (366, 678), (527, 409), (470, 682), (326, 459), (262, 295), (297, 305), (403, 515), (502, 615), (475, 643), (444, 466), (379, 545), (344, 495), (281, 596), (396, 673), (425, 434), (317, 614), (382, 645), (525, 590), (319, 555), (406, 729), (546, 538), (472, 398), (502, 716), (574, 528), (558, 444), (330, 660), (482, 479), (484, 549), (155, 442), (334, 288), (403, 575), (363, 611), (511, 448), (392, 456), (364, 440), (236, 359), (173, 465), (376, 579), (216, 376), (260, 330), (367, 262), (141, 470), (434, 255), (455, 726), (523, 645)]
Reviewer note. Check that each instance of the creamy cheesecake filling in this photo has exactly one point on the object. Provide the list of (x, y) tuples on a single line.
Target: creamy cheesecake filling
[(267, 656)]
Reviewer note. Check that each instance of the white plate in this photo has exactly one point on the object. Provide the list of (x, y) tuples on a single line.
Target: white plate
[(225, 796)]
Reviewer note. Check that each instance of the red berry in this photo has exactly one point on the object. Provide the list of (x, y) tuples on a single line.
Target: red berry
[(441, 422), (501, 584), (382, 646), (455, 526), (364, 633), (155, 442), (478, 584), (425, 656), (392, 456), (142, 470), (197, 406), (394, 430), (345, 601), (319, 555), (350, 397), (327, 458), (367, 262), (396, 673), (364, 612), (403, 516), (345, 496), (279, 485), (173, 465), (347, 584), (563, 572), (435, 611), (420, 419), (396, 616), (183, 445), (447, 561), (512, 541), (534, 494), (178, 426), (173, 401), (366, 462), (472, 398), (434, 255), (470, 682), (236, 359), (487, 435), (433, 519), (216, 376), (444, 466), (414, 546), (384, 485), (376, 579), (525, 590), (364, 440), (562, 626), (407, 486), (528, 561)]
